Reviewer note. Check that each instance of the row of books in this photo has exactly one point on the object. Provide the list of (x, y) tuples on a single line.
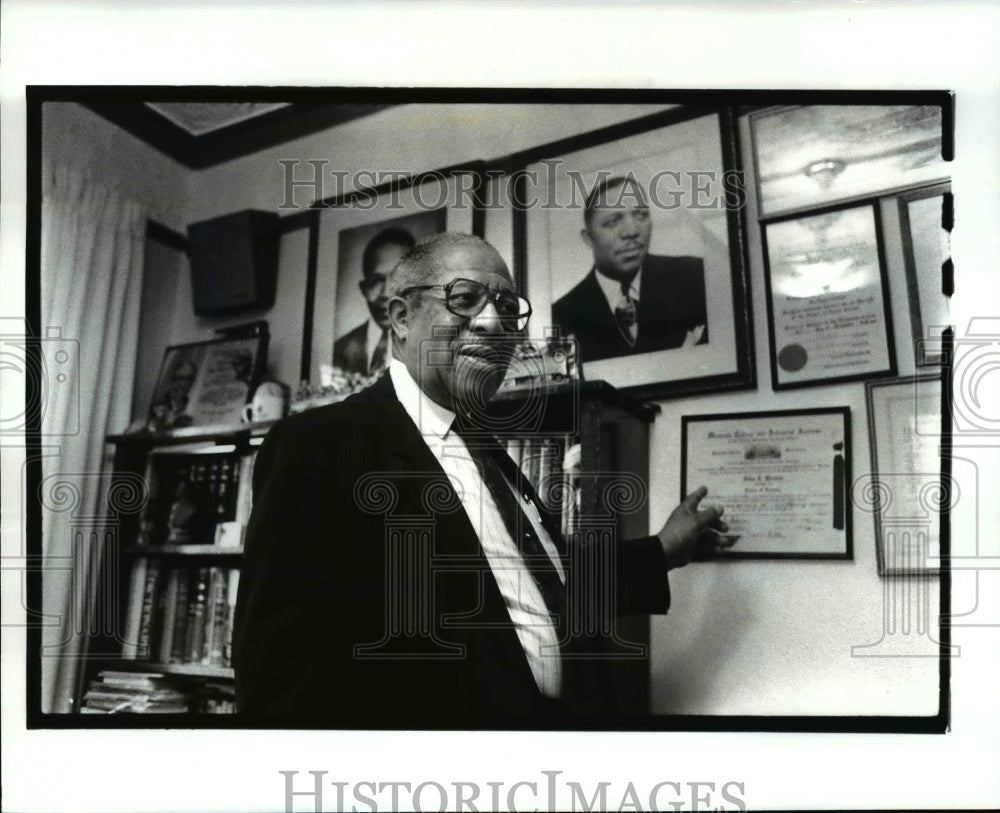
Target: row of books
[(181, 614), (198, 499), (118, 692), (552, 466)]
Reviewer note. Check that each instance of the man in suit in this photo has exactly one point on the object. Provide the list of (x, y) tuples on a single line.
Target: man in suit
[(631, 301), (365, 349), (398, 569)]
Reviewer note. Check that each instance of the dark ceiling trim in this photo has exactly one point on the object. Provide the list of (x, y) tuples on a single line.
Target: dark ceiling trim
[(234, 141), (316, 108)]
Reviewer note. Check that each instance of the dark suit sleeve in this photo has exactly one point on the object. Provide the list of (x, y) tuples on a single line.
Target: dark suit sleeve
[(639, 583), (289, 603), (642, 574)]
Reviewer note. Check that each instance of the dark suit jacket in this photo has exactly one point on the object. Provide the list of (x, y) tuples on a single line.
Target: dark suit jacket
[(671, 302), (334, 488), (350, 351)]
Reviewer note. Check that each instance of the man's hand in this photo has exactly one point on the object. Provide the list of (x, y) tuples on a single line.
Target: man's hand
[(691, 533)]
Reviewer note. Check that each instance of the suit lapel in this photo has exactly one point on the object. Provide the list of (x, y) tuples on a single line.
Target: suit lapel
[(407, 453)]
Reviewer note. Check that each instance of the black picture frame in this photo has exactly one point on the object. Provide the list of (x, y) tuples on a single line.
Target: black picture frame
[(928, 269), (699, 145), (877, 150), (844, 275), (757, 445), (453, 192), (207, 383), (908, 490)]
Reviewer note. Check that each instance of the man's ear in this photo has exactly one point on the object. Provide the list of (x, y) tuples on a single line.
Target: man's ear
[(585, 234), (399, 313)]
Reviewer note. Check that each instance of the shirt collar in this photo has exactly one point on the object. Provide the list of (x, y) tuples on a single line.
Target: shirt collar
[(430, 418), (613, 289)]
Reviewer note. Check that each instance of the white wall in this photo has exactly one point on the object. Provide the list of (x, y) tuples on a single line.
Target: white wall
[(747, 637), (772, 637)]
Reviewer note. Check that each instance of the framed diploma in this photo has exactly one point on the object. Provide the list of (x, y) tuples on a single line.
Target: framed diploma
[(907, 491), (828, 298), (782, 477)]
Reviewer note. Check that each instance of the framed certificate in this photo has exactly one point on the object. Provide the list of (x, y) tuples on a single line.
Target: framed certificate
[(827, 298), (907, 491), (782, 477)]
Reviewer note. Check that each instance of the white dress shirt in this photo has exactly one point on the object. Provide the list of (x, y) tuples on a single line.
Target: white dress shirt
[(525, 604), (612, 288)]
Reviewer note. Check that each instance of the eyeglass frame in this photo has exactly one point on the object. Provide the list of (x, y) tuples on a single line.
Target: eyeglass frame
[(491, 296)]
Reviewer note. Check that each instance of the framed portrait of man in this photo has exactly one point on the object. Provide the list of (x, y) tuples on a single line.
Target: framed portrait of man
[(361, 238), (633, 244)]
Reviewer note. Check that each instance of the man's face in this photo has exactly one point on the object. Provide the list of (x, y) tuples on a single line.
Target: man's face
[(619, 233), (459, 362), (373, 284)]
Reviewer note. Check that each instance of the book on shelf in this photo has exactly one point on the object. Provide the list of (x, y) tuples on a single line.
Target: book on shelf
[(133, 617), (169, 621), (149, 606), (116, 692), (185, 614), (232, 587), (197, 601), (179, 637), (195, 496), (218, 617)]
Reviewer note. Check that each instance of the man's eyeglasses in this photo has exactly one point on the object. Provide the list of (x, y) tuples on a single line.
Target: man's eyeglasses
[(468, 298)]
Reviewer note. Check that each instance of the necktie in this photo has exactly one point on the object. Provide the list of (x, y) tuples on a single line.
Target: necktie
[(484, 452), (625, 314), (378, 357)]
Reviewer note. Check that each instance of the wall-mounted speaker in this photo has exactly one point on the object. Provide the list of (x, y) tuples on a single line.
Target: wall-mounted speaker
[(234, 262)]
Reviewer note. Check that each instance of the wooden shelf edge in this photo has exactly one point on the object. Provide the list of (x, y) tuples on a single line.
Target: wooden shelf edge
[(181, 550), (190, 434), (178, 669)]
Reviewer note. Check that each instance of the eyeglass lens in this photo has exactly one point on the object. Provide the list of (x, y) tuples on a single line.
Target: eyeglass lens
[(468, 298)]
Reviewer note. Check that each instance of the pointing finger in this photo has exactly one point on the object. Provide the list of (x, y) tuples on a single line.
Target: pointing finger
[(691, 500)]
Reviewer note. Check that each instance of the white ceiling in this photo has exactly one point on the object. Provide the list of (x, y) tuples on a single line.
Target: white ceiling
[(199, 118)]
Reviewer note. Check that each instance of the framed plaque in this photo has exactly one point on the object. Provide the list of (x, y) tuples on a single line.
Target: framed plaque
[(781, 476), (827, 298)]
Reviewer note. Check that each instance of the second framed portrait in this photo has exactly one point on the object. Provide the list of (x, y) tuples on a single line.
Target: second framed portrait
[(360, 240), (633, 245)]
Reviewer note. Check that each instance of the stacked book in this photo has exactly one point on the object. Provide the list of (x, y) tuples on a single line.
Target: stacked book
[(136, 693), (181, 614)]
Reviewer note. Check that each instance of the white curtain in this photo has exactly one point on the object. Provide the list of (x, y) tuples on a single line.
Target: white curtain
[(93, 243)]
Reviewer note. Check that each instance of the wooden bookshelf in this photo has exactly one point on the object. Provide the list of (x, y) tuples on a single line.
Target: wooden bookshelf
[(212, 465), (612, 431)]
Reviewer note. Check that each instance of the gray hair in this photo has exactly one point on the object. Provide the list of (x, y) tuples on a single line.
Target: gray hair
[(419, 265)]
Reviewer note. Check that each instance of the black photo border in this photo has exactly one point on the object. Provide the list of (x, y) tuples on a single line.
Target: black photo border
[(923, 355)]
